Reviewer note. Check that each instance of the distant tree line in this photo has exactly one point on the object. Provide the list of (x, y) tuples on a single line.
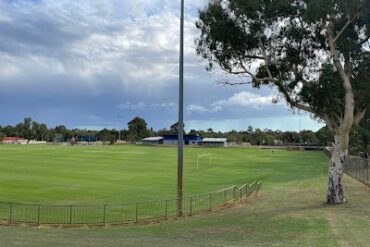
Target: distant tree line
[(138, 129)]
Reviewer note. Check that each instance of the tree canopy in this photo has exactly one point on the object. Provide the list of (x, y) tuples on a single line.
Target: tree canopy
[(312, 51), (315, 52), (137, 129)]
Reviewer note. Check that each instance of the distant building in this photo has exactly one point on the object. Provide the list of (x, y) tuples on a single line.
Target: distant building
[(86, 138), (34, 142), (214, 142), (188, 139), (14, 140), (152, 140)]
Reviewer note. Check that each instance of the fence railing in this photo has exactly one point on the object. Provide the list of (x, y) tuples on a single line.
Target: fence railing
[(38, 214), (358, 168), (355, 167)]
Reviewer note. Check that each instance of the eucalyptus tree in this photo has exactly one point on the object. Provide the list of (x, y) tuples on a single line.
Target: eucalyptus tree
[(315, 52), (137, 129)]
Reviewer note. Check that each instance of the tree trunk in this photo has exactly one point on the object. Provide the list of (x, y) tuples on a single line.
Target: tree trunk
[(335, 194)]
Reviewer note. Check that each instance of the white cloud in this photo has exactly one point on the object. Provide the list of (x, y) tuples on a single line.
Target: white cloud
[(135, 106), (108, 57), (164, 105), (136, 41), (287, 122), (196, 109), (244, 99), (143, 105)]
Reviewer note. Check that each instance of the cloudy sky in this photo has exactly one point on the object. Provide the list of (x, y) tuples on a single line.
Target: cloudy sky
[(96, 64)]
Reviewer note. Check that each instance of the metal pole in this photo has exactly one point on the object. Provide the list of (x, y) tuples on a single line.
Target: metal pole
[(300, 129), (180, 139)]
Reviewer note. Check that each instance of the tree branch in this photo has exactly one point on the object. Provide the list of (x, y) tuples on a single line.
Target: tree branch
[(337, 117), (332, 126), (259, 80), (233, 83), (367, 39), (328, 122), (299, 76), (253, 57), (347, 121), (302, 107), (264, 54), (359, 116), (350, 20), (294, 103)]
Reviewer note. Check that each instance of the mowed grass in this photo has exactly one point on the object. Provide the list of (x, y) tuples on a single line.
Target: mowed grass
[(115, 174), (290, 211)]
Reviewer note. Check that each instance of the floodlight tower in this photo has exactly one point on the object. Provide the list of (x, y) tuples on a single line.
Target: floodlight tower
[(180, 138), (300, 129)]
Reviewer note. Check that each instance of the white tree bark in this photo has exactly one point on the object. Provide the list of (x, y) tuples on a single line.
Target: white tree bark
[(335, 194)]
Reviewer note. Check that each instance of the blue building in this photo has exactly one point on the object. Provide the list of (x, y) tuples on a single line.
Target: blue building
[(188, 139)]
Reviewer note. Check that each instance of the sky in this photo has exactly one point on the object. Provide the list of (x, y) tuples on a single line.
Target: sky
[(98, 64)]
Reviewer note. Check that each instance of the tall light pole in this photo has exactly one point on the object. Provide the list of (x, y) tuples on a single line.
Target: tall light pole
[(180, 139), (300, 128)]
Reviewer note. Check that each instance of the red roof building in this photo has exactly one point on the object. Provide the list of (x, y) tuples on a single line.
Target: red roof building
[(13, 140)]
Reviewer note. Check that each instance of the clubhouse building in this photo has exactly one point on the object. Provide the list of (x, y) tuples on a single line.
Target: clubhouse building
[(194, 140)]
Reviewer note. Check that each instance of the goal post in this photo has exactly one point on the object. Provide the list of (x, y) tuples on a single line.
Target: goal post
[(209, 155)]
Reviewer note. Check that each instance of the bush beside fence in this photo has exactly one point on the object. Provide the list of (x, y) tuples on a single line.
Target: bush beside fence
[(38, 214)]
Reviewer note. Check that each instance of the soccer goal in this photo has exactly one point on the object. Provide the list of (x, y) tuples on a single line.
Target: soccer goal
[(204, 156)]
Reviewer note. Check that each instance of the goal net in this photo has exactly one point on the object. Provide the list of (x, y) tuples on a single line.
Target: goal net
[(203, 157)]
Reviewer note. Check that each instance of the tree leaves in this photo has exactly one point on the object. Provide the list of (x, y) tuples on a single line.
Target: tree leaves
[(287, 40)]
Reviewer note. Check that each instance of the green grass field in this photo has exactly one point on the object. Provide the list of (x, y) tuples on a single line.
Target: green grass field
[(289, 212), (115, 174)]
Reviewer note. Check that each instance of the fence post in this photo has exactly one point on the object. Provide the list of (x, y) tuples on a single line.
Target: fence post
[(191, 205), (105, 214), (166, 209), (210, 201), (137, 212), (11, 213), (367, 171), (234, 193), (38, 214), (255, 190), (70, 214)]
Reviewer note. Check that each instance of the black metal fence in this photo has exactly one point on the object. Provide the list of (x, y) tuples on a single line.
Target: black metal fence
[(358, 168), (38, 214), (355, 167)]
